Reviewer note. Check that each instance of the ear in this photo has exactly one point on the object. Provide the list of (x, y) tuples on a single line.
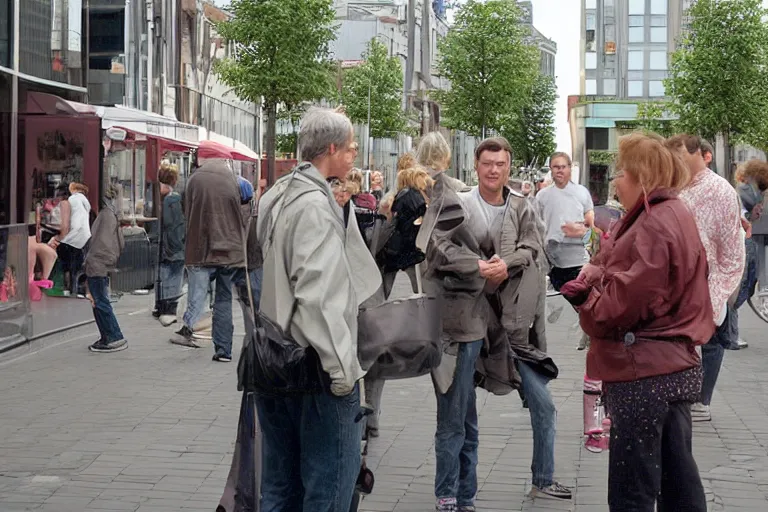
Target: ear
[(332, 150)]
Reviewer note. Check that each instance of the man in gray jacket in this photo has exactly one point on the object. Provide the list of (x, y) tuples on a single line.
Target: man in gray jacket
[(214, 251), (507, 226), (314, 282), (106, 245)]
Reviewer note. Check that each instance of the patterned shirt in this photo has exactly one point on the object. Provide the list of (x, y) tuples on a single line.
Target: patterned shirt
[(715, 207)]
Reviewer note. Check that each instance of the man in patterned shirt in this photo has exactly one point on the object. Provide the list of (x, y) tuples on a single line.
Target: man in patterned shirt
[(716, 208)]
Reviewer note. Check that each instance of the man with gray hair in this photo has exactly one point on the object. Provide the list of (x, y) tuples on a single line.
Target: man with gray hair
[(315, 272)]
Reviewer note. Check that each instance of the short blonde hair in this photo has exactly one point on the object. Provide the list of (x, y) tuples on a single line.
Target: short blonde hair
[(416, 177), (406, 161), (433, 151), (354, 181), (651, 162), (168, 173)]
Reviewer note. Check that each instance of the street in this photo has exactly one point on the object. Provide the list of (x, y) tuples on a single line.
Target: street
[(152, 428)]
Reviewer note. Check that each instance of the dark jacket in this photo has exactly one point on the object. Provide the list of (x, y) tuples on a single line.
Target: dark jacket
[(174, 229), (106, 244), (215, 224), (400, 251), (650, 304)]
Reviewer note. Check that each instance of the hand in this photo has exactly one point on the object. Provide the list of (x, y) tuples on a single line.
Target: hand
[(494, 270), (747, 227), (590, 273), (53, 243), (574, 229), (341, 388)]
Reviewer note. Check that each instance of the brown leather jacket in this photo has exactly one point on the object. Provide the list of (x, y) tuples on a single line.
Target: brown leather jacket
[(650, 304)]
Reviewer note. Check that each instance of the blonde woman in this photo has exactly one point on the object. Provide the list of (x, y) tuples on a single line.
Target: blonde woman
[(74, 235)]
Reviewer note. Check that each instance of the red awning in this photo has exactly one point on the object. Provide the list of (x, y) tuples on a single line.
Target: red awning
[(213, 149), (167, 143)]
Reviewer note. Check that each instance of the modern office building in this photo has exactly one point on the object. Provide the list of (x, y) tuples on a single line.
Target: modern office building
[(547, 46)]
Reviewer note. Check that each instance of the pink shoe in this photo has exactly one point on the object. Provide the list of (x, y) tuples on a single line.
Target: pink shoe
[(605, 439), (594, 443)]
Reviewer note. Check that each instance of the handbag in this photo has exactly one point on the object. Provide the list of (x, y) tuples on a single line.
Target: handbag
[(401, 338), (271, 362)]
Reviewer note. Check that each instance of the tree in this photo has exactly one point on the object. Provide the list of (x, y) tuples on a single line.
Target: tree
[(490, 66), (719, 73), (281, 55), (532, 132), (384, 76)]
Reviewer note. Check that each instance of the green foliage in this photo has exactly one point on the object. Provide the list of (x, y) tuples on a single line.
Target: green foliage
[(384, 75), (282, 55), (490, 66), (532, 132), (286, 143), (719, 73), (601, 157)]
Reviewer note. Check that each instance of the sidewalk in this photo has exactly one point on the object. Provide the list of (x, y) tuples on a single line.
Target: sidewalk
[(152, 428)]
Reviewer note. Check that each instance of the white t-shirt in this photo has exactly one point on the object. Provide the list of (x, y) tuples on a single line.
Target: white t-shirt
[(482, 218), (79, 225), (558, 206)]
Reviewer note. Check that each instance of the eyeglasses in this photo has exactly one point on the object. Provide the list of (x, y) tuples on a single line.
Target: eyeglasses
[(560, 167)]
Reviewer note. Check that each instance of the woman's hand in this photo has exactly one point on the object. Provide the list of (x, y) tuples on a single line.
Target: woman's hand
[(590, 274), (53, 243)]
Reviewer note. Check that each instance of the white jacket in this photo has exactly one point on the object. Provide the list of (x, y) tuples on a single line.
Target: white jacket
[(316, 272)]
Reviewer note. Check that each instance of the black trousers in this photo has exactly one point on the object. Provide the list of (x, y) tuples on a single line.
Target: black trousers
[(652, 461)]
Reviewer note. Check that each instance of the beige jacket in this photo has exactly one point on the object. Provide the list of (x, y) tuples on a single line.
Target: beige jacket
[(316, 272)]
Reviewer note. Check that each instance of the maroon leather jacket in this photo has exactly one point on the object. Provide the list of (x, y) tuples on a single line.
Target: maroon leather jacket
[(649, 306)]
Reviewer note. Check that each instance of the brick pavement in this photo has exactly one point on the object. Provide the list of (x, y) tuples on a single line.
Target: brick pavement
[(151, 429)]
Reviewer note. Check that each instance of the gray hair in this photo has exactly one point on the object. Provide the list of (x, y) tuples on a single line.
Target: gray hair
[(433, 151), (321, 128)]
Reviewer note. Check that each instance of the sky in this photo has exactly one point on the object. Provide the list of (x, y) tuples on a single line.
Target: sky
[(559, 20)]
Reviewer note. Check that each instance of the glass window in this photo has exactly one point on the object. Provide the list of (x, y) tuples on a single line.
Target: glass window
[(590, 4), (51, 40), (656, 89), (6, 33), (591, 60), (635, 60), (636, 6), (591, 87), (658, 34), (636, 21), (636, 34), (590, 22), (658, 60), (658, 6), (635, 88), (5, 149), (609, 87), (658, 21)]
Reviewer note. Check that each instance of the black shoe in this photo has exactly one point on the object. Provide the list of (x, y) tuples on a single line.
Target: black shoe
[(113, 346), (222, 359), (183, 337), (156, 313)]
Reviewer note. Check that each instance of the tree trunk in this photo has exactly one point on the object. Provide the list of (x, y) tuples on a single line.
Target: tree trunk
[(271, 136)]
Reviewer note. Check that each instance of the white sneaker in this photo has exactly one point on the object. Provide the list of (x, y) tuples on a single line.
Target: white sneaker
[(700, 412), (742, 344), (166, 320)]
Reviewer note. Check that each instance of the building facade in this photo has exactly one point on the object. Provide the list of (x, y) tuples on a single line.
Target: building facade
[(547, 47)]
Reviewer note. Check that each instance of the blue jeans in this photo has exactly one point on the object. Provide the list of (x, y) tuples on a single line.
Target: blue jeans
[(198, 279), (712, 355), (310, 452), (457, 439), (109, 329), (543, 423)]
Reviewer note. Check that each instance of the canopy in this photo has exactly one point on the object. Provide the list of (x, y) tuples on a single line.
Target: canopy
[(213, 149)]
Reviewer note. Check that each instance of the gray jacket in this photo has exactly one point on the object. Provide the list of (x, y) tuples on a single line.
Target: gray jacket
[(316, 272), (106, 243)]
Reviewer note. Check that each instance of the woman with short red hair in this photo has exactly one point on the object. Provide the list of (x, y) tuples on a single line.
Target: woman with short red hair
[(644, 301)]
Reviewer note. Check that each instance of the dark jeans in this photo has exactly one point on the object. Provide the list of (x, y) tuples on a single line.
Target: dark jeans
[(109, 329), (712, 354), (650, 464), (559, 276), (457, 437), (311, 452), (71, 260), (169, 291)]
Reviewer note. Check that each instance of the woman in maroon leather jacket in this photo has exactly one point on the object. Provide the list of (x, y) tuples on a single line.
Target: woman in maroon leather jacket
[(644, 301)]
